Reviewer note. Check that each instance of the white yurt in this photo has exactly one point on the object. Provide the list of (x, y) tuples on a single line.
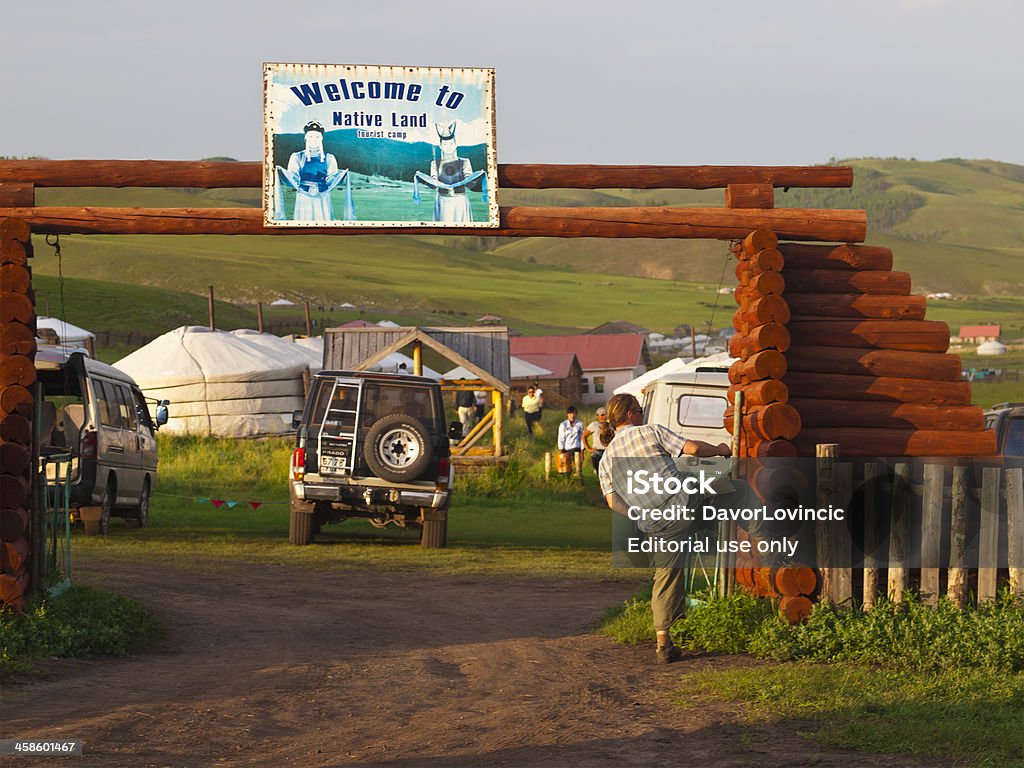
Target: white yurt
[(219, 383), (67, 334), (286, 347), (991, 348), (313, 347)]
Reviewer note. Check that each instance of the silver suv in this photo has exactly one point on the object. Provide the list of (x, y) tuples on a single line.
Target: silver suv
[(371, 445)]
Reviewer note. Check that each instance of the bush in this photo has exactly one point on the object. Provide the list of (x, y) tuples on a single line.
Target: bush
[(79, 622)]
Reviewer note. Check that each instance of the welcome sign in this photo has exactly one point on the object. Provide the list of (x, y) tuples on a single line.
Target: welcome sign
[(365, 146)]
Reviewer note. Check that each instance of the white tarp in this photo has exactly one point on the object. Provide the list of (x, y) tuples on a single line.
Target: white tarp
[(69, 335), (394, 363), (219, 383), (675, 365), (287, 349)]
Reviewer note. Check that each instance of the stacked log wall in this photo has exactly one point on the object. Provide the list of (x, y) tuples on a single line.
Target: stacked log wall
[(17, 385)]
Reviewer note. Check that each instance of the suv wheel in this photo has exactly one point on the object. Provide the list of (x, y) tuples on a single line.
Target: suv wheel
[(398, 448), (300, 528)]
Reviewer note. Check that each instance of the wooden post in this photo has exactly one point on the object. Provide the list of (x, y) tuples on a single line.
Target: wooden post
[(839, 538), (1015, 530), (872, 481), (899, 533), (309, 324), (417, 358), (213, 325), (826, 454), (259, 316), (988, 536), (577, 464), (931, 533), (956, 587), (547, 465), (499, 423)]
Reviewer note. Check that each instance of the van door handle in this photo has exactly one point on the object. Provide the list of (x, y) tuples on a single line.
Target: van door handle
[(116, 449)]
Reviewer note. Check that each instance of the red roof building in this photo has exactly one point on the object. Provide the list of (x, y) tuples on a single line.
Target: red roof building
[(607, 360), (976, 334)]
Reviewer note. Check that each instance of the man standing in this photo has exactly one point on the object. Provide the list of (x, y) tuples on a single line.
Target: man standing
[(592, 437), (466, 404), (570, 436), (531, 408)]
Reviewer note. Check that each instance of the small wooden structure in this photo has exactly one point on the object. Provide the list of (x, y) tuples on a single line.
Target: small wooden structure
[(482, 351)]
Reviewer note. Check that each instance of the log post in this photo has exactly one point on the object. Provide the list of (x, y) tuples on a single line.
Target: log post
[(749, 196), (417, 358), (309, 323), (22, 523), (899, 533), (259, 316), (499, 423), (547, 465), (931, 533), (956, 587), (213, 325)]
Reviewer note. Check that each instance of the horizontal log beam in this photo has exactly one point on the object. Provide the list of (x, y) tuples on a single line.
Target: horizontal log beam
[(838, 387), (875, 282), (873, 362), (814, 256), (816, 305), (855, 413), (907, 335), (223, 175), (710, 223), (868, 441)]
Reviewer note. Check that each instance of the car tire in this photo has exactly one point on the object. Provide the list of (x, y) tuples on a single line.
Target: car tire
[(106, 509), (434, 534), (398, 448), (140, 515), (300, 529)]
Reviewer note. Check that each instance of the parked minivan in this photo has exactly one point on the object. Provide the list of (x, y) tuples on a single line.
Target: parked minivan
[(98, 415)]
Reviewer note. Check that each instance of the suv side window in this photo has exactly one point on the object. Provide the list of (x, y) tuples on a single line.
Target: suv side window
[(142, 411), (106, 404)]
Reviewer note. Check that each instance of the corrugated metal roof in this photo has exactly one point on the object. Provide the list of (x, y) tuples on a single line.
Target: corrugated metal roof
[(595, 352)]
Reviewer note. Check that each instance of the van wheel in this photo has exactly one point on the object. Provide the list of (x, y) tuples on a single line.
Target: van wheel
[(106, 510), (434, 534), (141, 512)]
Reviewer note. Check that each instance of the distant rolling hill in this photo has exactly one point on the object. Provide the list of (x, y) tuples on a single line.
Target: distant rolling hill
[(955, 225)]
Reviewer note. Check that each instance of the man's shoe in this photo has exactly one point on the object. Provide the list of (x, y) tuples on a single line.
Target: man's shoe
[(666, 654)]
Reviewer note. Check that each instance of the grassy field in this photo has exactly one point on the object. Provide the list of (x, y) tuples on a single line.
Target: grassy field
[(526, 527)]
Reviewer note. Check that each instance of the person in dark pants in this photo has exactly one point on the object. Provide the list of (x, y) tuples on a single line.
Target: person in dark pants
[(592, 437), (531, 405)]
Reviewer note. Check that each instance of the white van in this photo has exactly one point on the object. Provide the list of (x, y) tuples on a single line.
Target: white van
[(98, 415)]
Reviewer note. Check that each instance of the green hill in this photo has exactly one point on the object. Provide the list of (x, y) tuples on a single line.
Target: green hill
[(954, 225)]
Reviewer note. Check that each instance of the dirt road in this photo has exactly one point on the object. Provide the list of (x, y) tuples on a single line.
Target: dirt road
[(284, 667)]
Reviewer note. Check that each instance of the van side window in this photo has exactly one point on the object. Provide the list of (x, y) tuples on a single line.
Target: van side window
[(129, 420), (142, 410), (106, 404)]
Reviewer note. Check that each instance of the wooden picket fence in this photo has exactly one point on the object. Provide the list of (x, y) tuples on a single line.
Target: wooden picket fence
[(940, 528)]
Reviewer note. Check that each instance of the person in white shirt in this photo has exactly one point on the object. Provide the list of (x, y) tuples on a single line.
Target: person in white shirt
[(570, 435)]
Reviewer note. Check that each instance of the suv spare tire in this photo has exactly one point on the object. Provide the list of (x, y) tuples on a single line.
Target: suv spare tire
[(398, 448)]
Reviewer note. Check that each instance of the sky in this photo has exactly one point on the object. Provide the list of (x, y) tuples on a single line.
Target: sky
[(668, 82)]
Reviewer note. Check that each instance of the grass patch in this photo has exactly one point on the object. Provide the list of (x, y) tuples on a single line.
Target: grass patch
[(940, 682), (974, 716), (79, 622)]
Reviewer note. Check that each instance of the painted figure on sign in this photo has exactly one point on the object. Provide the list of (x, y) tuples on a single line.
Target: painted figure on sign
[(313, 174), (450, 177)]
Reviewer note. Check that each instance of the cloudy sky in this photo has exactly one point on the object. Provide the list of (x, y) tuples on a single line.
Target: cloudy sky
[(657, 81)]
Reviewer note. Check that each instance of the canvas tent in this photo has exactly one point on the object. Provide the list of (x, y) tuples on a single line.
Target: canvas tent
[(67, 334), (285, 347), (219, 383)]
